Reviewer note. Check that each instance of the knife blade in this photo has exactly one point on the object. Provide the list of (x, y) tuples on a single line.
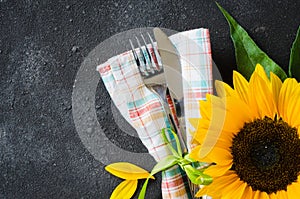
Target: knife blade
[(171, 62), (172, 71)]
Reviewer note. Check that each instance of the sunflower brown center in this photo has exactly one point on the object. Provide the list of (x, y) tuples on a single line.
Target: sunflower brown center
[(266, 154)]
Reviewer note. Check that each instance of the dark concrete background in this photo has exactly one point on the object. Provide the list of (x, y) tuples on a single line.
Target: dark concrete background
[(42, 45)]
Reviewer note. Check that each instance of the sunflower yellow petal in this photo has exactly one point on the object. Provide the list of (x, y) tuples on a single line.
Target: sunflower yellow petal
[(224, 89), (256, 195), (222, 141), (252, 96), (127, 171), (293, 104), (264, 195), (237, 114), (219, 155), (205, 108), (286, 92), (124, 190), (264, 98), (194, 122), (282, 194), (276, 86), (199, 136), (261, 72), (261, 98), (248, 193), (216, 101), (231, 117), (216, 187), (217, 170), (203, 191), (228, 116), (272, 196), (195, 153), (293, 190), (235, 189), (223, 181), (241, 86), (207, 191)]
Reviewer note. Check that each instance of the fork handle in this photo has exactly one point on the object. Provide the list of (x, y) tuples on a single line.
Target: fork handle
[(175, 120)]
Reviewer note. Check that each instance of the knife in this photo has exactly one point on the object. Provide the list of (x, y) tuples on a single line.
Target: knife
[(173, 76)]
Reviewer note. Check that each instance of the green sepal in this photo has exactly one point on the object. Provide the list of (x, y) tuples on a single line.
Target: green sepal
[(144, 189), (188, 158), (162, 165), (196, 176), (294, 65), (247, 53)]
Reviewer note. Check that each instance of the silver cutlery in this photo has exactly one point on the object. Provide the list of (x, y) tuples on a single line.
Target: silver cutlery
[(173, 77), (151, 66)]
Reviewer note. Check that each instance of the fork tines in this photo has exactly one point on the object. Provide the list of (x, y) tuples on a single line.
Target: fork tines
[(146, 57)]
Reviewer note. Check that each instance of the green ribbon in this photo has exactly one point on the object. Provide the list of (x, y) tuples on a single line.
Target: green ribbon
[(178, 158)]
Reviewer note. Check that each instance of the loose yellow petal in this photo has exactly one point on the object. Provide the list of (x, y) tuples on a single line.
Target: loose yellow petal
[(124, 190), (127, 171)]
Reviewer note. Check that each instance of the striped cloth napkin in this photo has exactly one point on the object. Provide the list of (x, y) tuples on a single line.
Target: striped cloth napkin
[(143, 109)]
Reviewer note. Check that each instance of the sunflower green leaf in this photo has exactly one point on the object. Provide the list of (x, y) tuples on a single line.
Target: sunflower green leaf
[(294, 65), (247, 53)]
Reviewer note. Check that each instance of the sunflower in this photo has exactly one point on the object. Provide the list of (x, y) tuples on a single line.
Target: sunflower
[(250, 136)]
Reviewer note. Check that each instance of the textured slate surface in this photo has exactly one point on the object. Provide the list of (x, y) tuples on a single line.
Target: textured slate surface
[(43, 45)]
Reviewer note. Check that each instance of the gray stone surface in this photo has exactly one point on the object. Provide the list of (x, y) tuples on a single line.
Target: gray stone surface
[(43, 45)]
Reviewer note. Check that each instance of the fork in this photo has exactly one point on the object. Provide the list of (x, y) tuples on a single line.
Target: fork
[(150, 66)]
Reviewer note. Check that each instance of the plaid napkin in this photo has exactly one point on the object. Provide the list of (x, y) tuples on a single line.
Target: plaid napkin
[(143, 109)]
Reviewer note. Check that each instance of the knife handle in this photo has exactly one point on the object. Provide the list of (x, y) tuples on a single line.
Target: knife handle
[(175, 120)]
